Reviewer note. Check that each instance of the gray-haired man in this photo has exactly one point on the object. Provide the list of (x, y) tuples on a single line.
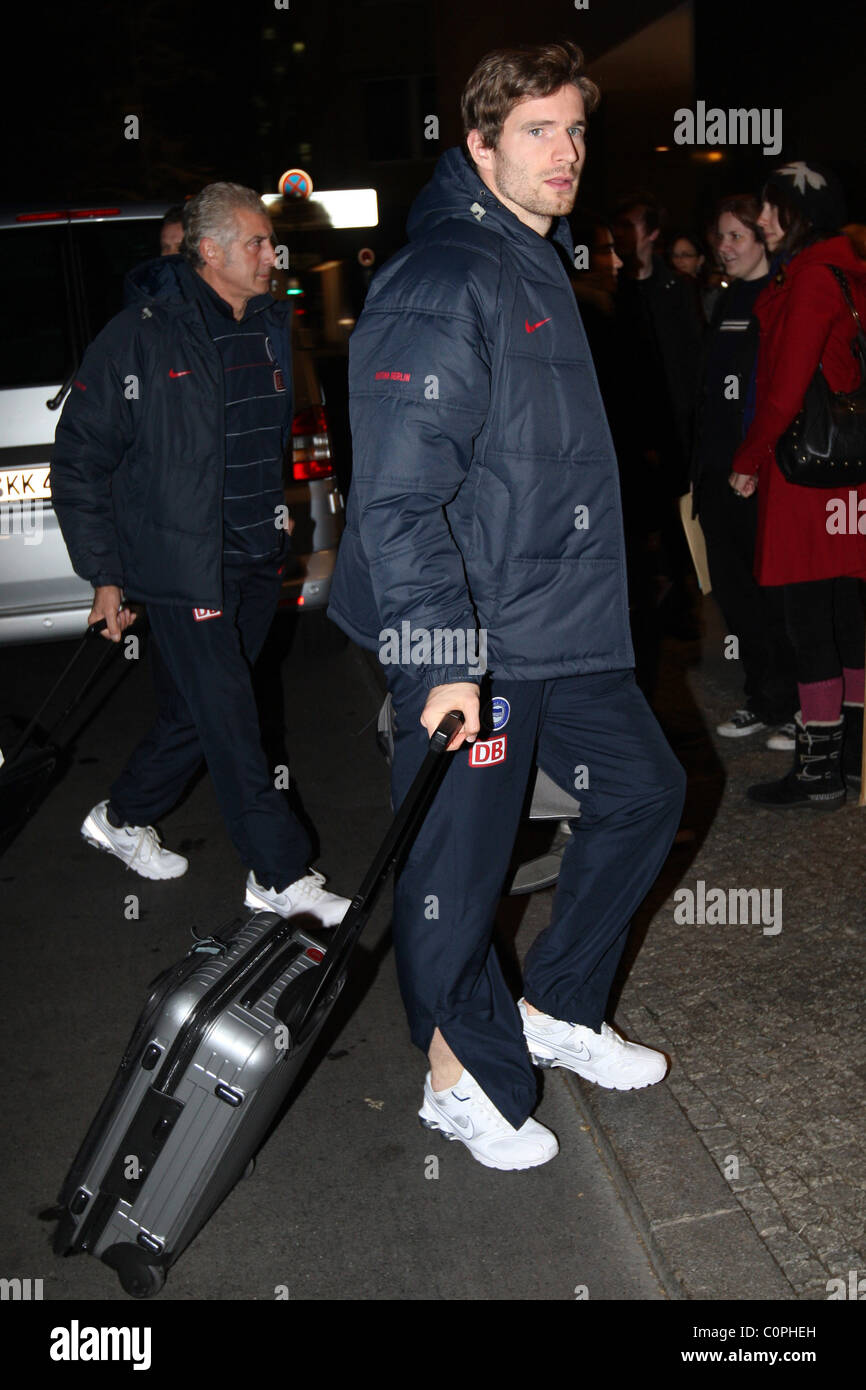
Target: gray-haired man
[(167, 480)]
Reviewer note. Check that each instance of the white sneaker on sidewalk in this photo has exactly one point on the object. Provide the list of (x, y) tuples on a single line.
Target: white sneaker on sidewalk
[(464, 1112), (604, 1057), (783, 739), (741, 724), (138, 846), (306, 894)]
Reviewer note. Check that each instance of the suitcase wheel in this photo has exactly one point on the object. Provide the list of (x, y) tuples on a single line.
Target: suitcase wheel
[(137, 1276), (250, 1169), (144, 1282)]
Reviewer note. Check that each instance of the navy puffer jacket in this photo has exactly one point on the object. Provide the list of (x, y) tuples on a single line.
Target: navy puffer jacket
[(485, 490), (138, 465)]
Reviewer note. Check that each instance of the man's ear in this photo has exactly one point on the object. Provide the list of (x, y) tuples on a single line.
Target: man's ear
[(208, 249), (481, 154), (653, 236)]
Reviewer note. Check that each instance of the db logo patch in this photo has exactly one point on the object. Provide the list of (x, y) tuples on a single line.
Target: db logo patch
[(200, 614), (486, 752)]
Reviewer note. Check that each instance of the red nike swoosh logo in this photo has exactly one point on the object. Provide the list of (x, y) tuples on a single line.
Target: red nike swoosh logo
[(535, 325), (172, 372)]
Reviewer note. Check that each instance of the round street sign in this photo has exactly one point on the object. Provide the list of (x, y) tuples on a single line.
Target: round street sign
[(295, 183), (366, 255)]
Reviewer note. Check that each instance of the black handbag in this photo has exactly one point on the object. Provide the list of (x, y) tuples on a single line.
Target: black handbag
[(826, 444)]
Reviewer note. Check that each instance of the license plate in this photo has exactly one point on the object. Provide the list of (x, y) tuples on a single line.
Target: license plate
[(25, 484)]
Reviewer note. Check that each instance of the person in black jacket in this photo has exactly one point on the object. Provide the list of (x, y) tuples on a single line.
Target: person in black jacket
[(484, 560), (595, 278), (167, 482), (754, 615), (660, 327)]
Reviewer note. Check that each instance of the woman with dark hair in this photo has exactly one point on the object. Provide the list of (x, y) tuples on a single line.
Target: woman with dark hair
[(805, 321), (752, 614)]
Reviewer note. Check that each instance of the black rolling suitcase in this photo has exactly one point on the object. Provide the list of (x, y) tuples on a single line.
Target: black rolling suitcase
[(27, 766), (212, 1058)]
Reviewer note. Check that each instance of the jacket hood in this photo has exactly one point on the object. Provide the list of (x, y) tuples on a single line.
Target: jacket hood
[(456, 192), (161, 278)]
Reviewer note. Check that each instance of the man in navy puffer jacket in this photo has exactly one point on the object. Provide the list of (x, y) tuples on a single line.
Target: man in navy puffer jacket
[(484, 560)]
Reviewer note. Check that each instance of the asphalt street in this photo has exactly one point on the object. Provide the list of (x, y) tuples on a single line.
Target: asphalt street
[(351, 1199)]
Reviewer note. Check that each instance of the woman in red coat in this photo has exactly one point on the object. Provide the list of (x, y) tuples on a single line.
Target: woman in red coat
[(808, 538)]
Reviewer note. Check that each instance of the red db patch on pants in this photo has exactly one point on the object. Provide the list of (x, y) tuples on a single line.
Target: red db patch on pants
[(200, 614), (486, 752)]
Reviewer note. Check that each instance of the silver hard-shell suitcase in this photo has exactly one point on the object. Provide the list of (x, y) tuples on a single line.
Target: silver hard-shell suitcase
[(214, 1053)]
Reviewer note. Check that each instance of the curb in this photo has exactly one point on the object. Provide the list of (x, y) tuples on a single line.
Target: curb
[(699, 1237)]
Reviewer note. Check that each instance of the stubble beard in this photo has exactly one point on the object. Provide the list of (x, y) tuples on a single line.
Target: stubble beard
[(513, 181)]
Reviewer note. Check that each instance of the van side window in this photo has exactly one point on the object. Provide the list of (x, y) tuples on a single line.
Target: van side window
[(35, 341)]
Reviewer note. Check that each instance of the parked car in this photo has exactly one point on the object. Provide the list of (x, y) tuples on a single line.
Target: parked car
[(61, 279)]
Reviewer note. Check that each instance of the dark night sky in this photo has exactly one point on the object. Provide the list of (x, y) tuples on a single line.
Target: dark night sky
[(226, 92)]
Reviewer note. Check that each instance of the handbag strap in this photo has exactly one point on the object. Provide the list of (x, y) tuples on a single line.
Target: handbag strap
[(843, 284), (858, 345)]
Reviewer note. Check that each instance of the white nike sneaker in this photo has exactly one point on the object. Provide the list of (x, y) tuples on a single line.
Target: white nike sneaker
[(604, 1057), (306, 894), (138, 846), (464, 1112)]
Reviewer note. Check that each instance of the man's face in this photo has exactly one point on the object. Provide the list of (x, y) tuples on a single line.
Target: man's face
[(774, 233), (170, 238), (740, 252), (241, 269), (535, 168), (604, 261), (633, 241)]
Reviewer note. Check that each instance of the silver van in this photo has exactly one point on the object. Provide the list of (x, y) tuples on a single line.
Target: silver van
[(61, 280)]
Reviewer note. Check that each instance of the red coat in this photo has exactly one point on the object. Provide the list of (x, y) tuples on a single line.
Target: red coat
[(804, 320)]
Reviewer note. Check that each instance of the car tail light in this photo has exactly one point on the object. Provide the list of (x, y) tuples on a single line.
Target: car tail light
[(311, 445), (94, 212), (74, 213)]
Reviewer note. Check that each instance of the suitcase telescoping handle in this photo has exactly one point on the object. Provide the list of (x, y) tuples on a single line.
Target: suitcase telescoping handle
[(22, 740), (297, 1008)]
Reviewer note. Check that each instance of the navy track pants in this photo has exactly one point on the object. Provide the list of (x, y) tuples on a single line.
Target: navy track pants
[(597, 738), (206, 708)]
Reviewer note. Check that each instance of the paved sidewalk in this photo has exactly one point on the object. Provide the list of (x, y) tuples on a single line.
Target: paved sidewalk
[(763, 1021)]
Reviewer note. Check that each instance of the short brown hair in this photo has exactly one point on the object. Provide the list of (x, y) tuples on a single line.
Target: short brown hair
[(509, 75)]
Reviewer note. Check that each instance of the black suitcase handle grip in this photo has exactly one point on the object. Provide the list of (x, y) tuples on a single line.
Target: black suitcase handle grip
[(445, 731)]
